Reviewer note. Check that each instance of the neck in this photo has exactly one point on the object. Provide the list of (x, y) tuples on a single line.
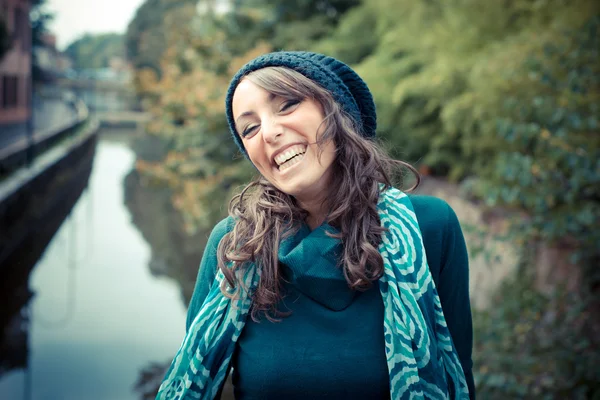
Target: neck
[(317, 211)]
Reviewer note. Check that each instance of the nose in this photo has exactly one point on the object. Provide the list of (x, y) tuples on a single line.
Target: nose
[(272, 130)]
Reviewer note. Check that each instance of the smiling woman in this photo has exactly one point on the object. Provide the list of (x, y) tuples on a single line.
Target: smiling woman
[(354, 289)]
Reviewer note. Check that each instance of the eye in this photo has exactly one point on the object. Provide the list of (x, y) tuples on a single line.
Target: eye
[(249, 130), (288, 105)]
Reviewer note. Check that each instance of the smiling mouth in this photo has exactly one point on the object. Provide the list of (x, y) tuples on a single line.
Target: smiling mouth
[(290, 157)]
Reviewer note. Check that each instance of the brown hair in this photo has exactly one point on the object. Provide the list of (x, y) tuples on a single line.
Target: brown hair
[(264, 215)]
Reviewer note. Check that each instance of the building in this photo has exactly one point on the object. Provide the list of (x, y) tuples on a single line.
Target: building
[(15, 71)]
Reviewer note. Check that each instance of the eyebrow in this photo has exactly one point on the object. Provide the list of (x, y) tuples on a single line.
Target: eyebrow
[(244, 114), (248, 113)]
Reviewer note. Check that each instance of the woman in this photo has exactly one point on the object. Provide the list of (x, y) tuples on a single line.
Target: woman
[(353, 290)]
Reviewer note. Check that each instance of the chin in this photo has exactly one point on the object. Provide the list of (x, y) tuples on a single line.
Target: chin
[(293, 191)]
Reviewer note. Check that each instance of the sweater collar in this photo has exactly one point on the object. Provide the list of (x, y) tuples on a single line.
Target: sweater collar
[(310, 261)]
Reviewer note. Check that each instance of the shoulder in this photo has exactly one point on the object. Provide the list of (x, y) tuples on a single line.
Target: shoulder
[(221, 229), (442, 235), (435, 217), (434, 214), (431, 212), (208, 266)]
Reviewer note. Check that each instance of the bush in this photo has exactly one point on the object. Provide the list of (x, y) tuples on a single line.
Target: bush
[(532, 346)]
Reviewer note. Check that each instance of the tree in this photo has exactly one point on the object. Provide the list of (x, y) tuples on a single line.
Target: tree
[(40, 18), (145, 39), (95, 51)]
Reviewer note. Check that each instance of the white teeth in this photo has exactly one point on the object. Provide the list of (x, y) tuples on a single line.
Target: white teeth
[(291, 162), (289, 154)]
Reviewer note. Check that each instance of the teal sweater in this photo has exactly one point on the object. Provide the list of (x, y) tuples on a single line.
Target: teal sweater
[(332, 345)]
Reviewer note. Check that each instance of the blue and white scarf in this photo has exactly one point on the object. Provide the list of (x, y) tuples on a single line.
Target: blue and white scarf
[(420, 354)]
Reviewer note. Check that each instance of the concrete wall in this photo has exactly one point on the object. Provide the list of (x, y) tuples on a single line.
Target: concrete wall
[(33, 205)]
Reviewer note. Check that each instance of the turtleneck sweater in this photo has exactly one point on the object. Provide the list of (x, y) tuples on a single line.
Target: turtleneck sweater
[(331, 346)]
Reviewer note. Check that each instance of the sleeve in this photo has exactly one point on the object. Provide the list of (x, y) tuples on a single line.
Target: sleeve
[(453, 290), (207, 270)]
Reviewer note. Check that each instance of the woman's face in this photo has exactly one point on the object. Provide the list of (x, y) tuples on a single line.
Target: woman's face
[(279, 135)]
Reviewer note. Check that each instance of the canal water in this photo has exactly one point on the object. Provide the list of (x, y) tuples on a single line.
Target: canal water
[(98, 315)]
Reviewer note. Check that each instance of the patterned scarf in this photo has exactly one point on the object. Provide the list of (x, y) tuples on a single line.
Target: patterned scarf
[(420, 354)]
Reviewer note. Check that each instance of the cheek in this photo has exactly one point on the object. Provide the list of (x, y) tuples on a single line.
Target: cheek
[(328, 154), (257, 155)]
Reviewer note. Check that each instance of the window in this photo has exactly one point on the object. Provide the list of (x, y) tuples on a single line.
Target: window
[(10, 85)]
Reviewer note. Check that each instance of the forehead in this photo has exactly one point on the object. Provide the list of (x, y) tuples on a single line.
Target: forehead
[(248, 96)]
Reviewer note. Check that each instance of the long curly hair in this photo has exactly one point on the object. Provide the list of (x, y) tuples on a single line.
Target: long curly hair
[(264, 215)]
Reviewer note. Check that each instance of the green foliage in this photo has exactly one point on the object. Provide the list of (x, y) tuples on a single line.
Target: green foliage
[(96, 51), (344, 44), (296, 25), (145, 40), (534, 346), (544, 150)]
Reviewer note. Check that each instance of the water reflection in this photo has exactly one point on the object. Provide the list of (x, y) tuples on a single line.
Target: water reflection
[(97, 316)]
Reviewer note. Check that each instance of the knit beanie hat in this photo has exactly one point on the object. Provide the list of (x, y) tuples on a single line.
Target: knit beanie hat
[(346, 87)]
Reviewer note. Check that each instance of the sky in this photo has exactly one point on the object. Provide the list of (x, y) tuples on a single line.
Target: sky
[(74, 18)]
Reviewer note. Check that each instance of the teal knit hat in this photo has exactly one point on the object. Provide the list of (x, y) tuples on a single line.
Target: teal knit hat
[(346, 87)]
